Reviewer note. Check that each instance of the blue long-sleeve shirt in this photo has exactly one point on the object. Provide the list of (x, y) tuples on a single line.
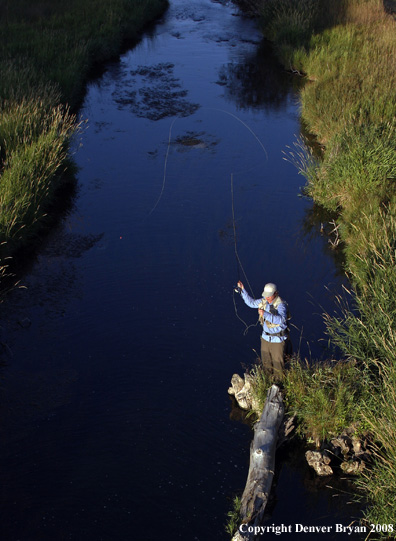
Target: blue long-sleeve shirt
[(276, 316)]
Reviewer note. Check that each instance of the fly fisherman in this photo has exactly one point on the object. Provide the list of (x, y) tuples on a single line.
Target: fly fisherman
[(273, 316)]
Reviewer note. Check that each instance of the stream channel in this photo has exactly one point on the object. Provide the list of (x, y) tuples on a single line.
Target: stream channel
[(115, 419)]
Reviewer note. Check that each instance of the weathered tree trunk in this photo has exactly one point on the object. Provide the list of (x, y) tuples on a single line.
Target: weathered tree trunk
[(262, 465)]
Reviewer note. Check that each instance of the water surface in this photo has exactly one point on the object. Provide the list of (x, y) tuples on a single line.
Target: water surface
[(115, 420)]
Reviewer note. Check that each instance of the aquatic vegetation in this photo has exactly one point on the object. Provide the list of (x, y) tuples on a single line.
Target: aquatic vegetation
[(156, 94), (193, 140)]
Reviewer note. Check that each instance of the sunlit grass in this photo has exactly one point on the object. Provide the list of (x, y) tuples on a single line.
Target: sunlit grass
[(35, 152), (366, 331), (325, 397), (349, 103)]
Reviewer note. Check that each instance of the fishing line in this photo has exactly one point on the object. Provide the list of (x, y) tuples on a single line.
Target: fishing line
[(238, 260), (247, 327), (243, 123), (169, 143), (239, 263), (165, 165)]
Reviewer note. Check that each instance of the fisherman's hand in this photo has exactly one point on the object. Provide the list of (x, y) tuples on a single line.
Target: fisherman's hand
[(241, 285), (261, 312)]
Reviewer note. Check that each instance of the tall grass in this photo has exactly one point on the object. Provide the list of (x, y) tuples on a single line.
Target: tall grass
[(347, 55), (325, 397), (64, 40), (286, 22), (366, 329), (34, 138), (379, 482), (349, 103), (260, 381), (367, 332), (34, 142)]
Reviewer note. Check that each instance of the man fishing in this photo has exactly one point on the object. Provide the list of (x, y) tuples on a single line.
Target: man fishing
[(273, 315)]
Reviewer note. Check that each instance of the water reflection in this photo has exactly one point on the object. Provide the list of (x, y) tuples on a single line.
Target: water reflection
[(257, 82), (52, 283), (318, 222)]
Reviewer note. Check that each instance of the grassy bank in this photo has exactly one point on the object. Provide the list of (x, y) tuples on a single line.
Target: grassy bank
[(346, 52), (48, 50)]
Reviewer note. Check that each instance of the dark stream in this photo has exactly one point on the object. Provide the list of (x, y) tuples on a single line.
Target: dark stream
[(115, 421)]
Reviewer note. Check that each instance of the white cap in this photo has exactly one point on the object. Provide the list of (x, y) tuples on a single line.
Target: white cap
[(269, 290)]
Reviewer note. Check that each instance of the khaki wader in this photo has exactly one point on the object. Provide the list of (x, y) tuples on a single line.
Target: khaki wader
[(272, 357)]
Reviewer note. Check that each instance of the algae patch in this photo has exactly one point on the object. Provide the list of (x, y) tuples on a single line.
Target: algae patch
[(156, 94)]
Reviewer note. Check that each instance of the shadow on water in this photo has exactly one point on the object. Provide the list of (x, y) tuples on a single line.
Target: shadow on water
[(23, 259), (51, 241), (259, 82), (320, 223)]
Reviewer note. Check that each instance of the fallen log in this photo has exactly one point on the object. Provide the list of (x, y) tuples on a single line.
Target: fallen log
[(262, 465)]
